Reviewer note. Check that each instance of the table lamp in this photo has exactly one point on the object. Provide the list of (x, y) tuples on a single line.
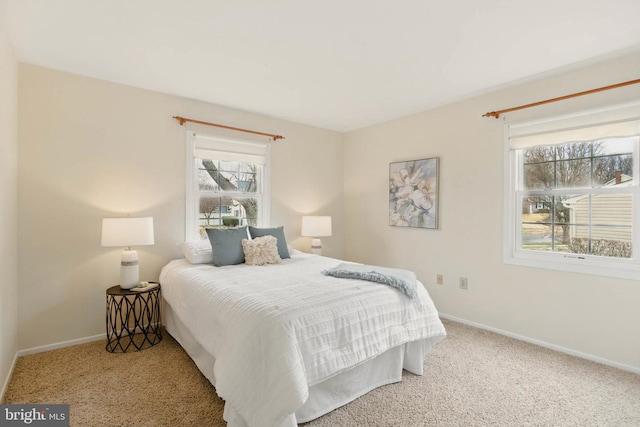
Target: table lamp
[(128, 232), (316, 226)]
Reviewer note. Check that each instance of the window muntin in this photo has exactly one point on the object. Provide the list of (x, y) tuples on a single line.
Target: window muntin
[(217, 175), (227, 184), (572, 201), (229, 193), (579, 221)]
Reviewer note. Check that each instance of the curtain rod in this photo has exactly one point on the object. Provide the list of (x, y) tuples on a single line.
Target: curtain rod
[(182, 121), (496, 114)]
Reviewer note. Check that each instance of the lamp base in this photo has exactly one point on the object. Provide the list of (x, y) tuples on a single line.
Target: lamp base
[(316, 247), (129, 273)]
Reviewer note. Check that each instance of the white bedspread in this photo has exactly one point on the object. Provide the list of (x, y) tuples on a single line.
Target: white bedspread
[(275, 330)]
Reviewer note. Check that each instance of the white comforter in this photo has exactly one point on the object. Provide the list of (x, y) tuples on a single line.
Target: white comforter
[(275, 330)]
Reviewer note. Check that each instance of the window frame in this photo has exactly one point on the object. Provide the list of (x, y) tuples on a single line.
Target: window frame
[(193, 192), (626, 268)]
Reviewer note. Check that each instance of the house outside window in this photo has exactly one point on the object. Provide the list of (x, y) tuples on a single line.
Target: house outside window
[(227, 183), (572, 193)]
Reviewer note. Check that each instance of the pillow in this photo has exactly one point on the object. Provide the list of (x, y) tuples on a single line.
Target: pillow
[(278, 233), (226, 245), (197, 252), (260, 251)]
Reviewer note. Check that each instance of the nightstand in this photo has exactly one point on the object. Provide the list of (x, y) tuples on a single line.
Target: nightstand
[(133, 319)]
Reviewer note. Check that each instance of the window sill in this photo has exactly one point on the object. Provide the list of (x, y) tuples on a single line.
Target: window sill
[(587, 265)]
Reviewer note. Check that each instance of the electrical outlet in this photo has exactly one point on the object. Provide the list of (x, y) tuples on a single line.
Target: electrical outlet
[(463, 283), (440, 279)]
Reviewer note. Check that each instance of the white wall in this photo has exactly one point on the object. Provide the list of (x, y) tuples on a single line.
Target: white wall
[(90, 149), (8, 202), (596, 316)]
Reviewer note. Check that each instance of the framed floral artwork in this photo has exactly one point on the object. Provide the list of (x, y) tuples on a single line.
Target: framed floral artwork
[(413, 193)]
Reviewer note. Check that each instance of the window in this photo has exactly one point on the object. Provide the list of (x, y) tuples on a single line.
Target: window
[(572, 196), (227, 183)]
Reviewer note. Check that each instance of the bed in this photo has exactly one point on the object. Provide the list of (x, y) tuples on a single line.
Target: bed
[(284, 344)]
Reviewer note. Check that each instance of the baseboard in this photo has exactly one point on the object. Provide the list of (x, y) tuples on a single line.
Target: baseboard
[(48, 347), (63, 344), (44, 348), (6, 380), (544, 344)]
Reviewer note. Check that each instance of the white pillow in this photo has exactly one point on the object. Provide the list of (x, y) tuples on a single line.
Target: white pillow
[(197, 252), (261, 250)]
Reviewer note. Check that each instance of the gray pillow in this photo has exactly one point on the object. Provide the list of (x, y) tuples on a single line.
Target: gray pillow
[(278, 233), (226, 245)]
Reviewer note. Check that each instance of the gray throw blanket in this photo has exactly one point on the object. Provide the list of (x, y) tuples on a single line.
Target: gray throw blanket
[(403, 280)]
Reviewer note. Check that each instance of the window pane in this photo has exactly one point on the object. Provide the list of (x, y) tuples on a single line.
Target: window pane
[(562, 213), (211, 210), (245, 209), (612, 170), (575, 239), (539, 154), (576, 209), (538, 239), (573, 173), (214, 175), (538, 207), (548, 221), (596, 224), (538, 176), (224, 211), (574, 150), (602, 241), (246, 168), (613, 209), (207, 180), (563, 223), (242, 177), (622, 145), (536, 223), (612, 241)]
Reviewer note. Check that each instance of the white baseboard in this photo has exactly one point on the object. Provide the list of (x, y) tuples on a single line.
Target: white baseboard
[(586, 356), (6, 380), (545, 344), (63, 344), (44, 348)]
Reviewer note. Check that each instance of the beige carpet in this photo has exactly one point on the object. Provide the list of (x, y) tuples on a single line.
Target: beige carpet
[(472, 378)]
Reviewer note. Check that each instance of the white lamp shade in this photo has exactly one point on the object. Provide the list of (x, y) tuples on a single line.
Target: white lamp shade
[(316, 226), (127, 231)]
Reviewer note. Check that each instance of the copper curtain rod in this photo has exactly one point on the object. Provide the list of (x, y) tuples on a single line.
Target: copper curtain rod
[(496, 114), (182, 121)]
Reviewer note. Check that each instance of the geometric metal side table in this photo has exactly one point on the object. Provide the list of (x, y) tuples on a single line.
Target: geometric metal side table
[(133, 319)]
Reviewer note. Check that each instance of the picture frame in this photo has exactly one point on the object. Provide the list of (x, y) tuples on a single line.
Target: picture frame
[(414, 193)]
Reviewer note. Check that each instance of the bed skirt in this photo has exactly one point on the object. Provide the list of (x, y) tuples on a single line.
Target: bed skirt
[(327, 395)]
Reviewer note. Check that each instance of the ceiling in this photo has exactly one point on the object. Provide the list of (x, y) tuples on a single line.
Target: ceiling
[(335, 64)]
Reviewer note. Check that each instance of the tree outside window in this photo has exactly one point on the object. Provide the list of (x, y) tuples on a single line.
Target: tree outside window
[(560, 210)]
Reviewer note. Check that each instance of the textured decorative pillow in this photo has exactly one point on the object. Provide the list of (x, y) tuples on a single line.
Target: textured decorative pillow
[(278, 233), (226, 245), (197, 252), (261, 251)]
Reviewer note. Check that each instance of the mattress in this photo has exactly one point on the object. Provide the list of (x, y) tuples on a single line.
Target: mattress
[(275, 331)]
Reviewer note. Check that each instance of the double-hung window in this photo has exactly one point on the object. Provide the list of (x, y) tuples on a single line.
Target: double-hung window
[(572, 196), (227, 183)]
